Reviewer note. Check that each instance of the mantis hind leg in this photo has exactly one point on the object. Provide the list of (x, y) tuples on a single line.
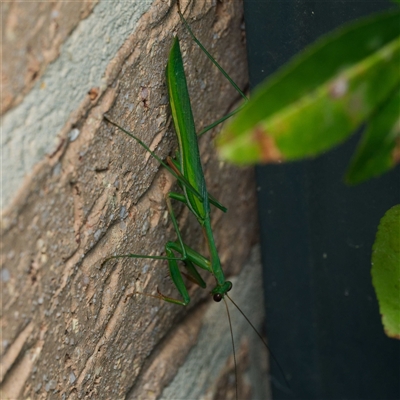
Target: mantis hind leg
[(214, 61)]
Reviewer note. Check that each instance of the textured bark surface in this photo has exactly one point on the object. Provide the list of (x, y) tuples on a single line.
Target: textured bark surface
[(71, 326), (33, 32)]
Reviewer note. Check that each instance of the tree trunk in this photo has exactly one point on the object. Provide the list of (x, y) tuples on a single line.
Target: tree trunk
[(75, 191)]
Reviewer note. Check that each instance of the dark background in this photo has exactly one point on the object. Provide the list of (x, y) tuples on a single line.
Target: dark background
[(323, 321)]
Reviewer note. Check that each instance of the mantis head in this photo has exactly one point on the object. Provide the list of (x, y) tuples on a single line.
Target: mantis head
[(220, 290)]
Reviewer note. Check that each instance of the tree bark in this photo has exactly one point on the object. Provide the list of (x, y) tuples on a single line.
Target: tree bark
[(77, 191)]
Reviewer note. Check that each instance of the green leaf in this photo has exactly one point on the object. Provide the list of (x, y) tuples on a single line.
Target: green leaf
[(320, 97), (377, 150), (386, 270)]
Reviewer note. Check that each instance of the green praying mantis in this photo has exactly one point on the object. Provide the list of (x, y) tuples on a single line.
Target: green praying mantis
[(187, 169)]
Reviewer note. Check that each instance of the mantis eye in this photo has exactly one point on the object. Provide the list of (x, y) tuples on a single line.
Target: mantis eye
[(217, 297)]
